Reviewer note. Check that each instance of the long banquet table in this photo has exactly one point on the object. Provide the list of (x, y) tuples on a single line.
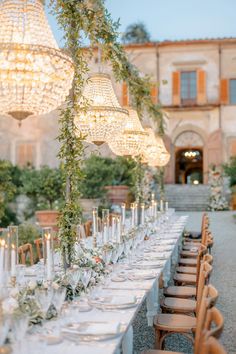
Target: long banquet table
[(165, 245)]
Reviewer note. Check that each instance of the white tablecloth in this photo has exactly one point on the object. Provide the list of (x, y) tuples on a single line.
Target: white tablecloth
[(146, 289)]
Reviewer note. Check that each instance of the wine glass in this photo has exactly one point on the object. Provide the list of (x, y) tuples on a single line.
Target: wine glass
[(44, 299), (58, 298), (86, 276), (4, 328), (74, 277), (19, 329)]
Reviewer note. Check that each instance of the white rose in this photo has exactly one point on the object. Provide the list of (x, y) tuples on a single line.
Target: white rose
[(32, 285), (45, 285), (9, 305)]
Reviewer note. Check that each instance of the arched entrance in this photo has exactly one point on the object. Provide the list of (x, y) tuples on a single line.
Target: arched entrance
[(189, 158)]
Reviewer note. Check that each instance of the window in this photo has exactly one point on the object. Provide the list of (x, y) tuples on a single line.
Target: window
[(188, 87), (232, 88), (25, 154)]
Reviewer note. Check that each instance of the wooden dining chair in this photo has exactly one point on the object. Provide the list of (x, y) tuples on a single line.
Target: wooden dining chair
[(197, 236), (39, 247), (193, 270), (88, 228), (166, 324), (208, 331), (26, 252), (188, 306), (187, 278)]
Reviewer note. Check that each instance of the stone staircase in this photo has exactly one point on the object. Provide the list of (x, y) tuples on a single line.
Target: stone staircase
[(187, 197)]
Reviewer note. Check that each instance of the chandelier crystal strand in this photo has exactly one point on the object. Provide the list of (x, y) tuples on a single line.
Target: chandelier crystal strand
[(104, 118), (131, 141), (35, 76)]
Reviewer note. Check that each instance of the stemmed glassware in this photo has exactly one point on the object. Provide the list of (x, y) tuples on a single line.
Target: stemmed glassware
[(86, 276), (44, 299), (19, 329), (58, 299), (74, 277)]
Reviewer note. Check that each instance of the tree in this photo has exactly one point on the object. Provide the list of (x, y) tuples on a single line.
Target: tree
[(7, 192), (136, 33)]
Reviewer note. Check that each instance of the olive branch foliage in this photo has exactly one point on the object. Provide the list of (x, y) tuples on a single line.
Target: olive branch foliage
[(90, 20)]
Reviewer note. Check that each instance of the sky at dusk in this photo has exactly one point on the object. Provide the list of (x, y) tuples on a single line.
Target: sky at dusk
[(172, 19)]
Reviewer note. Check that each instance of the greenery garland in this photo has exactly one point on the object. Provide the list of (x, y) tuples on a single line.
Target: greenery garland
[(90, 19)]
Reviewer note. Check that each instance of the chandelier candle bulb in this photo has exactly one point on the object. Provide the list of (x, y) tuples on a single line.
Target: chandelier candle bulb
[(13, 260), (142, 214)]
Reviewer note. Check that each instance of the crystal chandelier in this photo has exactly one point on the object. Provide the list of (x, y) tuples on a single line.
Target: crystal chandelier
[(155, 152), (35, 76), (131, 141), (104, 118)]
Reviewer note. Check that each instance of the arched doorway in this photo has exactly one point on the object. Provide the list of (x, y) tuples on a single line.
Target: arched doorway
[(189, 158)]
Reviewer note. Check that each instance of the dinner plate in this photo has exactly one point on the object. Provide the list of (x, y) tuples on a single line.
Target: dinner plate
[(91, 331), (114, 302)]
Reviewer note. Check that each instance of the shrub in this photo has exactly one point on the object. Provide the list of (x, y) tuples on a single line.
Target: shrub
[(230, 170)]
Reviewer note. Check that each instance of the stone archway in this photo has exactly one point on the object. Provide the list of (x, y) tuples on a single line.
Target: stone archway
[(189, 158)]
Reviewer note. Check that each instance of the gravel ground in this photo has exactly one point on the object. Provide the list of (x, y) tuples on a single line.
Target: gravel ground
[(223, 278)]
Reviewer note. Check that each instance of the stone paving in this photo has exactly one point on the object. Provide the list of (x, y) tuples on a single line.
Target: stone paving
[(223, 227)]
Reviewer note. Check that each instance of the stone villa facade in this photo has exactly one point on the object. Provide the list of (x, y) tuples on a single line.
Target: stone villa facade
[(197, 90)]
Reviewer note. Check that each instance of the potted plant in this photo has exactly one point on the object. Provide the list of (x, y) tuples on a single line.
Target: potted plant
[(97, 173), (230, 171), (45, 189), (123, 181)]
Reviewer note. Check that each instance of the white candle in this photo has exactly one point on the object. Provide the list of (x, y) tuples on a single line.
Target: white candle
[(113, 228), (136, 213), (105, 233), (167, 206), (118, 229), (161, 205), (142, 214), (123, 213), (2, 251), (132, 215), (49, 268), (155, 209), (152, 196), (13, 261), (94, 222)]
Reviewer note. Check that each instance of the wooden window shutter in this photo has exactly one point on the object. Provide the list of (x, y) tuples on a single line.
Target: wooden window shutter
[(154, 93), (125, 95), (201, 87), (25, 154), (176, 88), (224, 91)]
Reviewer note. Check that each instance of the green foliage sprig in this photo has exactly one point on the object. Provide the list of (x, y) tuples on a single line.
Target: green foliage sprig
[(90, 19)]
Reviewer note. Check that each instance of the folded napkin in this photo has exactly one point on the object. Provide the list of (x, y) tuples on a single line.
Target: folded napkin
[(121, 300)]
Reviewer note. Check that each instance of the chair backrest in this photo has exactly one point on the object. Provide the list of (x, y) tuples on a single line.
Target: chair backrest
[(212, 327), (24, 251), (201, 252), (39, 247), (203, 280), (208, 258), (211, 345), (88, 228), (208, 300)]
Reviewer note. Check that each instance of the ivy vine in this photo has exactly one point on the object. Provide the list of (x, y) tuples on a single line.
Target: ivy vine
[(90, 19)]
